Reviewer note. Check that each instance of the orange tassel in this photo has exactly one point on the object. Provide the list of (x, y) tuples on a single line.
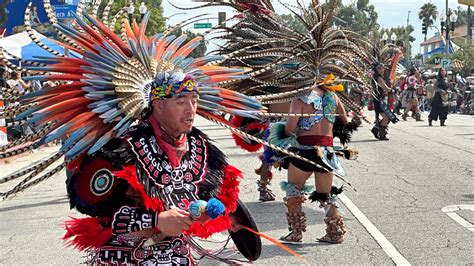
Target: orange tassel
[(280, 245)]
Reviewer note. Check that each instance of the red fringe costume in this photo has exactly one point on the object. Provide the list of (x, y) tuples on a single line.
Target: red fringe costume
[(136, 190)]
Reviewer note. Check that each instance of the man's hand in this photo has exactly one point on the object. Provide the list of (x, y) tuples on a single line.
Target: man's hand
[(173, 222)]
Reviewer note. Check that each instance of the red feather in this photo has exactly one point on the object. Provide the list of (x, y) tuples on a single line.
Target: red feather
[(68, 97), (129, 174), (185, 51), (228, 195), (113, 37), (85, 233), (229, 190), (64, 77), (72, 48), (244, 145), (214, 117), (61, 117)]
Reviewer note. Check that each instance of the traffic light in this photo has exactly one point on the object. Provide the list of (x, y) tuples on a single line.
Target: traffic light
[(424, 28), (222, 19)]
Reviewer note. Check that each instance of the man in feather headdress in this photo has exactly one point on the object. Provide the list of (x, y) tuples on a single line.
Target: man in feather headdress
[(146, 178), (161, 167)]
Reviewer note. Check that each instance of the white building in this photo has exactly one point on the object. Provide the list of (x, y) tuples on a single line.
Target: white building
[(436, 43)]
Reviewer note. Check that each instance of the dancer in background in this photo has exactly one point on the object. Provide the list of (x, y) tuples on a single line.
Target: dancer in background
[(413, 83), (380, 91), (440, 101)]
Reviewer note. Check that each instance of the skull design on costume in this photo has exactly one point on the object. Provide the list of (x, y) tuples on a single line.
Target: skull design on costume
[(164, 253), (177, 176)]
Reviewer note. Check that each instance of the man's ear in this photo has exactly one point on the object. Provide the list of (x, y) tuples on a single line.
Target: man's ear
[(158, 106)]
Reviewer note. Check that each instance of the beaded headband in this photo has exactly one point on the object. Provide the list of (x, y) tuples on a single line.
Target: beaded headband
[(170, 84)]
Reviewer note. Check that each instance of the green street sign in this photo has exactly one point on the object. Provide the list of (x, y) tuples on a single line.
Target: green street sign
[(446, 63), (202, 25)]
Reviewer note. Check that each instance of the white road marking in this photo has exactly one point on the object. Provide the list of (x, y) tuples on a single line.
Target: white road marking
[(450, 211), (389, 249)]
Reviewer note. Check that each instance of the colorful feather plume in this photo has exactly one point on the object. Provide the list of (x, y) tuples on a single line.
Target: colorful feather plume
[(106, 87)]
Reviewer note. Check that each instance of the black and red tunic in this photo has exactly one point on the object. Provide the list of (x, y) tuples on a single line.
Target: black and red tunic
[(127, 183)]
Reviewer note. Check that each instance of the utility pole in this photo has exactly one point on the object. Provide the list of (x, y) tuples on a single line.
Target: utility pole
[(469, 23), (407, 41), (447, 30)]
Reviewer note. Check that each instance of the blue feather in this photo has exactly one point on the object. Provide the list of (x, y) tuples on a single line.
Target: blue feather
[(111, 114), (39, 77), (185, 63), (101, 71), (98, 82), (57, 133), (78, 148), (112, 50), (104, 53), (77, 134), (91, 57), (124, 128), (100, 143)]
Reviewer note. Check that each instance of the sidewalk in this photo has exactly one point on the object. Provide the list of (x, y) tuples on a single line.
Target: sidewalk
[(17, 162)]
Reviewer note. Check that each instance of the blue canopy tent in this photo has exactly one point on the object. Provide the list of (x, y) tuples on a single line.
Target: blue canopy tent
[(32, 50), (20, 45)]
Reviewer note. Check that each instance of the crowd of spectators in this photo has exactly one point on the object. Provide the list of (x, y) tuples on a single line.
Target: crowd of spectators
[(12, 81), (459, 96)]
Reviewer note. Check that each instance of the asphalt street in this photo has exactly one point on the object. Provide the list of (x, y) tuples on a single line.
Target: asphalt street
[(393, 215)]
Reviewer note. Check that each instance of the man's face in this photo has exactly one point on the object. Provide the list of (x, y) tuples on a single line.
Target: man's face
[(176, 114), (381, 70)]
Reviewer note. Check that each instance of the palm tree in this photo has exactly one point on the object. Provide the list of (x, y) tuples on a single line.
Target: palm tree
[(428, 13)]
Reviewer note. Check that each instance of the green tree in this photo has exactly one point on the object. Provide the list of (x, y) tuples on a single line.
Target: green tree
[(293, 23), (198, 51), (428, 13), (360, 17), (404, 33), (465, 53), (156, 23), (3, 14)]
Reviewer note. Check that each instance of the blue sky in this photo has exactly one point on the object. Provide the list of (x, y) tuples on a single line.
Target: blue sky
[(392, 13)]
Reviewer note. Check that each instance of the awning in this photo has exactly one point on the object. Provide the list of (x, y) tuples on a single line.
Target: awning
[(21, 46), (453, 47), (457, 64)]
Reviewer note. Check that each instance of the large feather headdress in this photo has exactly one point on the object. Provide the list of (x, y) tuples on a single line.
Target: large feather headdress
[(107, 87), (286, 59), (386, 55)]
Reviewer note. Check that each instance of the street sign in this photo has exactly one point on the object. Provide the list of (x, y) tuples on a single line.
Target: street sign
[(437, 60), (446, 63), (202, 25), (64, 11), (466, 2)]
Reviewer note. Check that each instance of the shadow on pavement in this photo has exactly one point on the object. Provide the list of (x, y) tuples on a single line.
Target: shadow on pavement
[(205, 129), (38, 204), (241, 155), (364, 140), (271, 216), (271, 250), (224, 137), (234, 147), (436, 125)]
